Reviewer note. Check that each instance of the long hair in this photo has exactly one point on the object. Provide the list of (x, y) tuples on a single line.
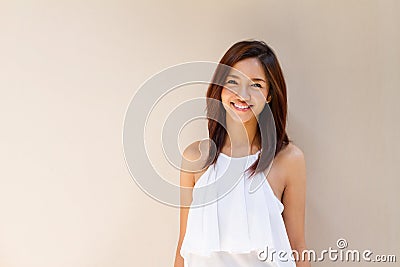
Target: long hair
[(216, 114)]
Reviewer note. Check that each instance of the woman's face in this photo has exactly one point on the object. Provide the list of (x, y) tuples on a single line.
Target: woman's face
[(245, 90)]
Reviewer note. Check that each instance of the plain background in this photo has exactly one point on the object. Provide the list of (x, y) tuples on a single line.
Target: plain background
[(70, 68)]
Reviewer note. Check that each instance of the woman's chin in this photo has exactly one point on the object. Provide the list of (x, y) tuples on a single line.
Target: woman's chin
[(242, 118)]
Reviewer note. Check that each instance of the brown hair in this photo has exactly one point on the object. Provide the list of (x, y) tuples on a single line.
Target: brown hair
[(278, 104)]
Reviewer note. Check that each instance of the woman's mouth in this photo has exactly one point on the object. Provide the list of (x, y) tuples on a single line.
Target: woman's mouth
[(241, 107)]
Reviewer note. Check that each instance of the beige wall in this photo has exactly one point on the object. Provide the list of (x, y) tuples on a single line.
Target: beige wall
[(69, 69)]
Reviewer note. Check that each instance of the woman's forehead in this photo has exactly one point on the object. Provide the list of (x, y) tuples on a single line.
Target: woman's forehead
[(250, 68)]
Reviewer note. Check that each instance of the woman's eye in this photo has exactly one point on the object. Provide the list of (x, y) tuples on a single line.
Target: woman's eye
[(256, 85), (231, 82)]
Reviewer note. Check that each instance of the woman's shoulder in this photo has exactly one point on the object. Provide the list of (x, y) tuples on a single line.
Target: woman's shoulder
[(293, 159), (195, 150), (292, 152), (195, 155)]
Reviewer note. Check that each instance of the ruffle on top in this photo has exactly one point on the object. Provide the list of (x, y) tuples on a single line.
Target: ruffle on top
[(233, 213)]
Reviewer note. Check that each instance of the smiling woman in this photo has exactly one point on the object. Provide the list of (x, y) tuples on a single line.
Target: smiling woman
[(247, 139), (245, 96)]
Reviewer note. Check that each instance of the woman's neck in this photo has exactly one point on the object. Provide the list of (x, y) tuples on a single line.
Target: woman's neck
[(241, 136)]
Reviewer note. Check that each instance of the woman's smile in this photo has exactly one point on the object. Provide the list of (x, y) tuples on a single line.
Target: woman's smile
[(241, 107)]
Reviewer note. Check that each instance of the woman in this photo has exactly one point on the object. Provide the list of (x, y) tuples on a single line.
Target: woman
[(235, 229)]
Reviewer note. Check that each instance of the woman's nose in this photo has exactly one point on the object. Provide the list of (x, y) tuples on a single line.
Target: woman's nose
[(243, 93)]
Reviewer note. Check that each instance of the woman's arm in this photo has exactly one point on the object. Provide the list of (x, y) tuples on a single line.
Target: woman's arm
[(186, 180), (294, 197)]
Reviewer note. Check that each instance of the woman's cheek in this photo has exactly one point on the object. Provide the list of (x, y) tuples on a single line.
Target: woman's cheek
[(225, 95)]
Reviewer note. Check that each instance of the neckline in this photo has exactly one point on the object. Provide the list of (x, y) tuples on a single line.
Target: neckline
[(229, 157)]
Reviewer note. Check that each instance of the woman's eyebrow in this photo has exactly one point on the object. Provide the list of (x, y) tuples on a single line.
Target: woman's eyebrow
[(258, 80), (233, 76), (253, 79)]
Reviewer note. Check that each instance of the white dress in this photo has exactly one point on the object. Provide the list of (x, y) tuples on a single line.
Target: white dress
[(234, 220)]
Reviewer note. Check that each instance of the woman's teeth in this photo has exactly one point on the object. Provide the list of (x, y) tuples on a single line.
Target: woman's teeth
[(241, 107)]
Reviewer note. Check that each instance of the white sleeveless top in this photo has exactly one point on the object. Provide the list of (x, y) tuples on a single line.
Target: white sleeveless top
[(235, 220)]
